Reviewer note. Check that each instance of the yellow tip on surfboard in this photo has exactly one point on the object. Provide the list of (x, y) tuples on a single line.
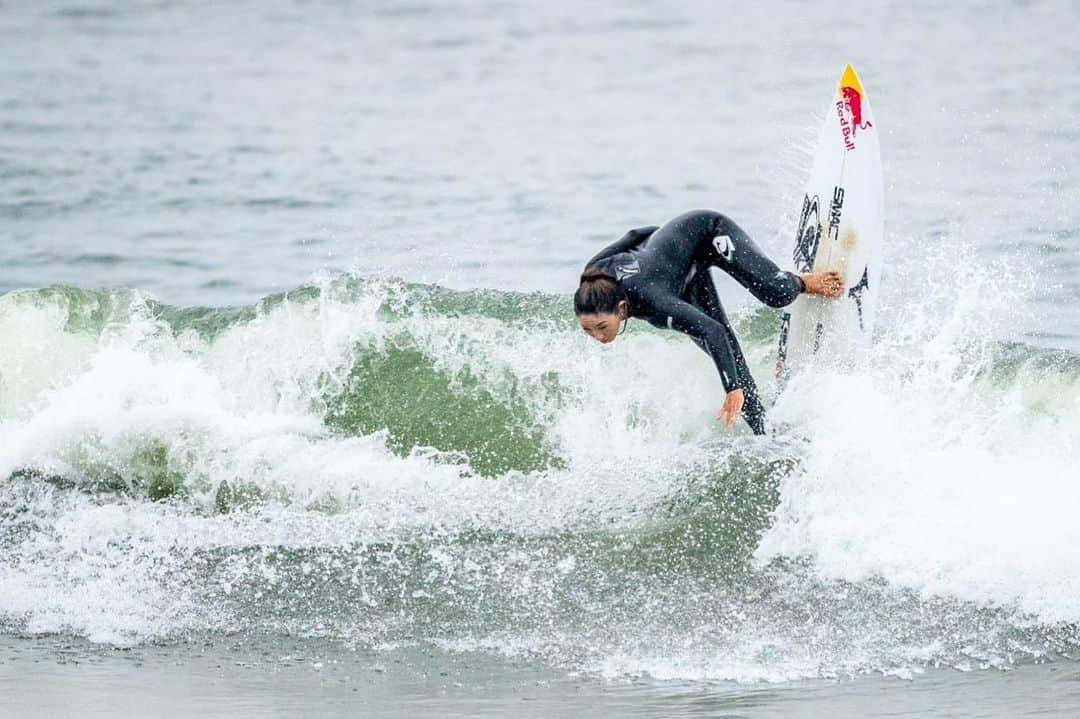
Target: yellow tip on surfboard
[(850, 79)]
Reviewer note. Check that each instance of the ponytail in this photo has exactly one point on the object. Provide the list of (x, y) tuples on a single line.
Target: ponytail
[(599, 293)]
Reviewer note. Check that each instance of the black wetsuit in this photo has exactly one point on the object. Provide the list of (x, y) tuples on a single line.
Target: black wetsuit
[(665, 273)]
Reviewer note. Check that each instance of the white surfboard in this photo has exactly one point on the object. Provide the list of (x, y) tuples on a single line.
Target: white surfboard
[(841, 227)]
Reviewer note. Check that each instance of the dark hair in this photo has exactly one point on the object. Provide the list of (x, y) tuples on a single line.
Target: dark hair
[(599, 293)]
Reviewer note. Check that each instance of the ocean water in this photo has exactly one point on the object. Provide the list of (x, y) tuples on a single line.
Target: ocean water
[(295, 418)]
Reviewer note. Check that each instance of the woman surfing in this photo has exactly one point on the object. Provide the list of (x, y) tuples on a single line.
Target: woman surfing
[(661, 274)]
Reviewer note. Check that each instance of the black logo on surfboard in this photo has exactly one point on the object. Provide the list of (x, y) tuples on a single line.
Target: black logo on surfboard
[(856, 294), (781, 350), (834, 212), (808, 235)]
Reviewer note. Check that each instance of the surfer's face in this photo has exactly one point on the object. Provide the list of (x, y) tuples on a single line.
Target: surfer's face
[(602, 326)]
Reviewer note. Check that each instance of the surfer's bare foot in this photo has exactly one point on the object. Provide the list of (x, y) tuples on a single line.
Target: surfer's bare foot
[(826, 284)]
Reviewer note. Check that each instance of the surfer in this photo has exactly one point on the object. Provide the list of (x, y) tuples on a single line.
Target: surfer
[(661, 274)]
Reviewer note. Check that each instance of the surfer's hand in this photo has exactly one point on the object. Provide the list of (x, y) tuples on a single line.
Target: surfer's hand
[(732, 406), (827, 284)]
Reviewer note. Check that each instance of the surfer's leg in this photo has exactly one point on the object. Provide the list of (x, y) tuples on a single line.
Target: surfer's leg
[(732, 250), (701, 293)]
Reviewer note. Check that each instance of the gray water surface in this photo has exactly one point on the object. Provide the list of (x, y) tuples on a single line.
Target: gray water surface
[(214, 155)]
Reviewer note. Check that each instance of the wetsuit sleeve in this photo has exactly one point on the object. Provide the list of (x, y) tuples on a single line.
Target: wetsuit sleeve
[(708, 333), (629, 241)]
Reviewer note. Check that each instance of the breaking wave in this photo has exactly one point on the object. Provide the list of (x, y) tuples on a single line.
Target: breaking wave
[(384, 463)]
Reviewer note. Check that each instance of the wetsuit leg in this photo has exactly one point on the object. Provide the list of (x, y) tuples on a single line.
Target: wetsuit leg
[(701, 293), (734, 252)]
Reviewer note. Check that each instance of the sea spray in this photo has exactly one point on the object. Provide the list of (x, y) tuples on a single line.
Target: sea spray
[(384, 463)]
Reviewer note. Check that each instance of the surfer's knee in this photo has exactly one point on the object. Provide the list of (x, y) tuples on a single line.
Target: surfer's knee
[(722, 224)]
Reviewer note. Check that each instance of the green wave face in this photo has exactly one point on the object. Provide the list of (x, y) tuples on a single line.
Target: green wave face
[(404, 392), (421, 404), (377, 461)]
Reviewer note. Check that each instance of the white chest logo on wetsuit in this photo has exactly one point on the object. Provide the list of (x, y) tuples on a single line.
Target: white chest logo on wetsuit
[(724, 246), (627, 269)]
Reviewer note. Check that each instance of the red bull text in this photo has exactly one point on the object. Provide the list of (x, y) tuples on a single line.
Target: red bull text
[(849, 110)]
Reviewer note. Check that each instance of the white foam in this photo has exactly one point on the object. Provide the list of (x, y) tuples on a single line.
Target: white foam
[(930, 469), (919, 469), (245, 405)]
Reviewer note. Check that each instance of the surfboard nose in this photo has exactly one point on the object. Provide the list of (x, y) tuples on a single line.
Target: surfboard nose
[(848, 78)]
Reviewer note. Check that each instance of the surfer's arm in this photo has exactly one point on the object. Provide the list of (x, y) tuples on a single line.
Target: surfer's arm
[(709, 334), (627, 242)]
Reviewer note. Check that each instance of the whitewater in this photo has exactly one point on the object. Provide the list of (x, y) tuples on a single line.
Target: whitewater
[(381, 462)]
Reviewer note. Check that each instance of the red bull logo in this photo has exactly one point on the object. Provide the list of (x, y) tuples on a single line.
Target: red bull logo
[(849, 110)]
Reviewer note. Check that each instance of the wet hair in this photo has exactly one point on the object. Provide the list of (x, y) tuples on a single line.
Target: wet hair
[(599, 293)]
